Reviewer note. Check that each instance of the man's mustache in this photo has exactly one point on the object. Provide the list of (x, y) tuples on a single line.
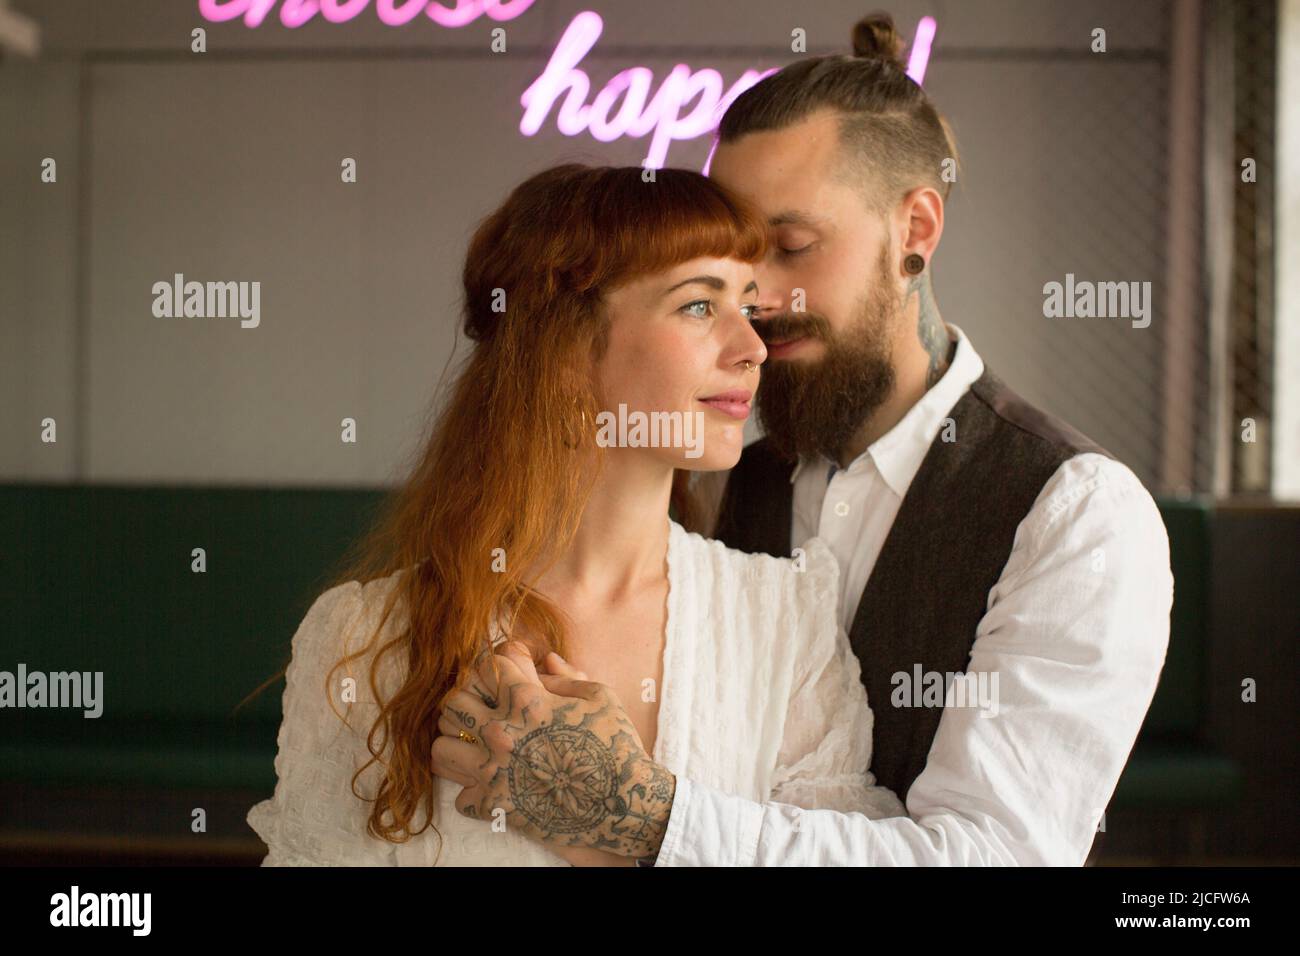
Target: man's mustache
[(783, 328)]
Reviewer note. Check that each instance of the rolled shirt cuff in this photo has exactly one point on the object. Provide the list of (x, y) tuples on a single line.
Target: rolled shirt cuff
[(707, 827)]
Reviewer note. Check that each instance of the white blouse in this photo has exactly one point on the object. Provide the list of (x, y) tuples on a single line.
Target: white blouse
[(762, 697)]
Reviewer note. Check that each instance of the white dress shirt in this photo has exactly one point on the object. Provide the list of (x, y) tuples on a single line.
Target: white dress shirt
[(1075, 632)]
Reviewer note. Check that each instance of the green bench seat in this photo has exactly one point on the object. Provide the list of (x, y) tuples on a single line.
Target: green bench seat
[(99, 579), (1170, 766)]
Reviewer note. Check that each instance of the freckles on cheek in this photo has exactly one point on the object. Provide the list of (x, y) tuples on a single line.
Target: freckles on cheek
[(650, 368), (651, 356)]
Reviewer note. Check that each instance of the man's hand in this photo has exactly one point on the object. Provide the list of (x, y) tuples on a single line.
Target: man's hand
[(557, 754)]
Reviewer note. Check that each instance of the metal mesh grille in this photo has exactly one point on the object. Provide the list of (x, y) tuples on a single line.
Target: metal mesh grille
[(1125, 167), (1251, 308)]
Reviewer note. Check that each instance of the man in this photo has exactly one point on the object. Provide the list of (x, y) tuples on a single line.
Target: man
[(975, 534)]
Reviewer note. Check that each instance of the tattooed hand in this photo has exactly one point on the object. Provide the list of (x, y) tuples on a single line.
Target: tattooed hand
[(558, 755)]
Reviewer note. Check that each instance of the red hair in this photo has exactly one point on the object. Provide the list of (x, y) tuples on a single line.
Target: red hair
[(511, 458)]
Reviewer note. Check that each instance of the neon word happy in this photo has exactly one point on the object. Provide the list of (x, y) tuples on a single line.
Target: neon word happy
[(662, 113), (635, 117)]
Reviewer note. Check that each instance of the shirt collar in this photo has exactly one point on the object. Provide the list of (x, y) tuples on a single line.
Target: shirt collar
[(898, 453)]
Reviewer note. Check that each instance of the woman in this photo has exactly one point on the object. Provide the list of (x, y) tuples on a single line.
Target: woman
[(540, 510)]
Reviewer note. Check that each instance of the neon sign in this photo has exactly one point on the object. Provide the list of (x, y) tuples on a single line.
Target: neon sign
[(639, 113), (635, 117), (393, 13), (662, 113), (921, 43)]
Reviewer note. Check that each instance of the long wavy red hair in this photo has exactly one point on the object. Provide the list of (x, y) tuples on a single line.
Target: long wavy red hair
[(512, 455)]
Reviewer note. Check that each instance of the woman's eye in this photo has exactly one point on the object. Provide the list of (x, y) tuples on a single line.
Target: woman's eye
[(750, 311), (795, 252), (705, 304)]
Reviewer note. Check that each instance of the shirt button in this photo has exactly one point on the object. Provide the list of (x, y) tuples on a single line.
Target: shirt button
[(842, 508)]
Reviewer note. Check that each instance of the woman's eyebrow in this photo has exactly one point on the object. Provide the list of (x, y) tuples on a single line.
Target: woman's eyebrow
[(713, 282)]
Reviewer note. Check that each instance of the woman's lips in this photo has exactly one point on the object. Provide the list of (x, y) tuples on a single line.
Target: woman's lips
[(734, 404)]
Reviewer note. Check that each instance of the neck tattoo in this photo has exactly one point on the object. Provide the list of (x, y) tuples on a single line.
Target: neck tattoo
[(930, 329)]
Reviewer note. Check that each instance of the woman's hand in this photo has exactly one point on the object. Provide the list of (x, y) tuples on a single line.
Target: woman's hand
[(556, 666), (558, 755)]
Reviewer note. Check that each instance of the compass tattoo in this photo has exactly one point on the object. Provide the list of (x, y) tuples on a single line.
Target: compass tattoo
[(562, 779), (571, 772)]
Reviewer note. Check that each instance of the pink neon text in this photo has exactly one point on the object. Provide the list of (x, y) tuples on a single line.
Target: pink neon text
[(635, 117), (393, 13)]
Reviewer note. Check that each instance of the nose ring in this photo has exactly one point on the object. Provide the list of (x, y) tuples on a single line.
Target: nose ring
[(749, 366)]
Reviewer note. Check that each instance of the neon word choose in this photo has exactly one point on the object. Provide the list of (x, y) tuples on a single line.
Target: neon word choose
[(393, 13)]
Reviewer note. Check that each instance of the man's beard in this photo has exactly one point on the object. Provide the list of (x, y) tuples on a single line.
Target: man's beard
[(811, 408)]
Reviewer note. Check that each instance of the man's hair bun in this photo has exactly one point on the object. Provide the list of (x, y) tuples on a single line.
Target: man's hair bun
[(874, 37)]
